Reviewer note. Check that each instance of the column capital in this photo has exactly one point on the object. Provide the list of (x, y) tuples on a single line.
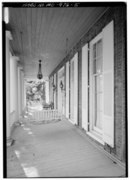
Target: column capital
[(9, 35)]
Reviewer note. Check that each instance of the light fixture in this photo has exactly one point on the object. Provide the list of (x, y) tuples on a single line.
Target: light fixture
[(39, 75), (61, 85), (54, 86)]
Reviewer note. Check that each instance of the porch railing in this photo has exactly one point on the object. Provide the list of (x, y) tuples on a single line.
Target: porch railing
[(46, 115)]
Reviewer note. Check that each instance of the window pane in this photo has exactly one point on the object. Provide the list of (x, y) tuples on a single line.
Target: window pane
[(98, 65), (94, 67), (99, 48), (94, 51)]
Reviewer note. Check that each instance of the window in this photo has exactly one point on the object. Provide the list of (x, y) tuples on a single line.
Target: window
[(97, 78), (101, 97)]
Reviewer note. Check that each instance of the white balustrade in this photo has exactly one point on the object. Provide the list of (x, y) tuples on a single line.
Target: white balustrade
[(46, 115)]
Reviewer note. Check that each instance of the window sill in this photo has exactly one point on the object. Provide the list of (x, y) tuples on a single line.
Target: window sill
[(95, 136)]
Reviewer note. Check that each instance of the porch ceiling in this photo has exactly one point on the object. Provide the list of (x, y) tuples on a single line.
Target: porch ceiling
[(40, 33)]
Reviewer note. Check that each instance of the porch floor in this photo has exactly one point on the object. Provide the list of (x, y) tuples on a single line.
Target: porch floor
[(56, 150)]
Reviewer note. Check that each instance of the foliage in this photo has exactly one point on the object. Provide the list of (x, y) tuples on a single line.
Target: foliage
[(35, 90)]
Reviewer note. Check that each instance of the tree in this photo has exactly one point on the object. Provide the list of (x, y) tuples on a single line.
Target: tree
[(34, 88)]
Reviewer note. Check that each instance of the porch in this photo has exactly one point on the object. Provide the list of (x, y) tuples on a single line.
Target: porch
[(57, 149), (75, 64)]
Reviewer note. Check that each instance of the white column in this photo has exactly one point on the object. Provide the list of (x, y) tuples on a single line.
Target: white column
[(22, 90), (47, 91), (24, 95), (19, 91), (8, 38), (14, 84)]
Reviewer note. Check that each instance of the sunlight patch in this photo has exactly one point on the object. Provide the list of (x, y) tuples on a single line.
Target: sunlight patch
[(17, 153), (30, 171)]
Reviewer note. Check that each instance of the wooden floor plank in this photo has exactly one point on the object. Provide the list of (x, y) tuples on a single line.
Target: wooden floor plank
[(57, 150)]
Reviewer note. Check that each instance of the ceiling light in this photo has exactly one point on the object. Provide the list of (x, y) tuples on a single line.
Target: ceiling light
[(39, 75)]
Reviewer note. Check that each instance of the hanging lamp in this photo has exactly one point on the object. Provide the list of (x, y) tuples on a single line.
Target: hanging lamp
[(39, 75)]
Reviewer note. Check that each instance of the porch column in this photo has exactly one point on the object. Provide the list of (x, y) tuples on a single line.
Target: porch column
[(19, 92), (22, 91), (14, 83), (8, 130), (24, 95), (47, 91)]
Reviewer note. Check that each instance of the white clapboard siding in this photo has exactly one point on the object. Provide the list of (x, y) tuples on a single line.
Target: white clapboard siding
[(76, 88), (46, 115), (108, 84), (67, 89), (85, 87)]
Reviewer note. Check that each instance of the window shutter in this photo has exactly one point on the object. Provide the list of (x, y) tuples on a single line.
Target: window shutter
[(67, 89), (76, 88), (85, 87), (108, 84), (55, 92)]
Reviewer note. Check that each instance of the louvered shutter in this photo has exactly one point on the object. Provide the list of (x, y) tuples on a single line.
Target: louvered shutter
[(67, 89), (76, 88), (85, 87), (108, 84)]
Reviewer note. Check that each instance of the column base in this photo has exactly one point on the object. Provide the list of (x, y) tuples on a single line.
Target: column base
[(9, 142)]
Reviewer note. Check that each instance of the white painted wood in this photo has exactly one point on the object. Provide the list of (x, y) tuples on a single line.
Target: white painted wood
[(8, 38), (45, 31), (51, 89), (85, 87), (76, 88), (47, 91), (14, 86), (60, 93), (108, 84), (91, 82), (60, 150), (72, 90), (20, 91), (55, 91), (46, 115), (67, 89)]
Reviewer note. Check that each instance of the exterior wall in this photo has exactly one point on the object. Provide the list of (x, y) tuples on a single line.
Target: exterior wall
[(118, 14)]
